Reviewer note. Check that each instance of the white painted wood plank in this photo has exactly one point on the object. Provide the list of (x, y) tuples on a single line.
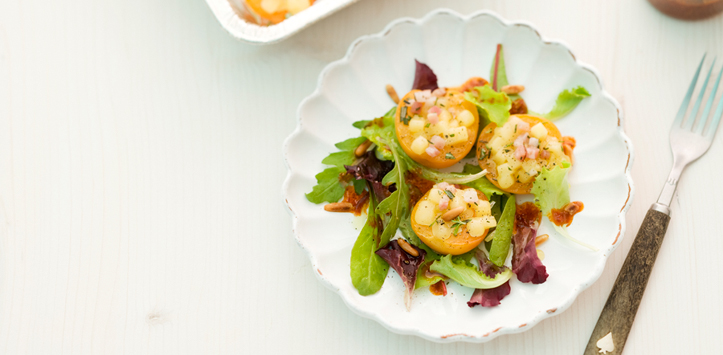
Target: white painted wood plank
[(140, 174)]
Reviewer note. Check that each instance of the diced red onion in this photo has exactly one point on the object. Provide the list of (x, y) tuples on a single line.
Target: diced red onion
[(439, 92), (435, 109), (520, 152), (433, 118), (534, 142), (532, 153), (544, 154), (438, 142), (432, 151), (416, 107), (521, 140), (443, 202)]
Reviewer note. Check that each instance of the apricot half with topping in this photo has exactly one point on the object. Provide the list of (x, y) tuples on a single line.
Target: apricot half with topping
[(452, 219), (515, 153), (436, 128)]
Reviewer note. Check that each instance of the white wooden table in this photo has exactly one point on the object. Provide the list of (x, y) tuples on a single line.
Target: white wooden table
[(141, 168)]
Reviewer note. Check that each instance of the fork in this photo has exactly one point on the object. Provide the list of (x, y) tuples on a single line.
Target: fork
[(689, 140)]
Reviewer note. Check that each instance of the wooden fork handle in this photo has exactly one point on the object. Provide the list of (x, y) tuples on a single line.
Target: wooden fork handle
[(619, 312)]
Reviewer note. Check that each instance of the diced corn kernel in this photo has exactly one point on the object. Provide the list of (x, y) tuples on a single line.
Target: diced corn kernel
[(466, 118), (524, 176), (425, 213), (419, 145), (489, 222), (499, 157), (457, 135), (436, 129), (435, 195), (504, 176), (445, 116), (514, 164), (457, 201), (531, 164), (482, 208), (497, 143), (466, 214), (416, 124), (441, 230), (539, 131), (475, 227)]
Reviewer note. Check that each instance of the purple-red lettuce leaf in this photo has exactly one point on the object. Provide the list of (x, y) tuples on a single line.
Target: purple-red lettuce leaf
[(424, 77), (488, 297), (404, 264), (373, 170), (525, 262)]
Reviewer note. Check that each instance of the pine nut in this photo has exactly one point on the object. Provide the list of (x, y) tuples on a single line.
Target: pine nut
[(362, 148), (540, 254), (392, 93), (512, 89), (541, 239), (407, 247), (449, 215), (339, 207)]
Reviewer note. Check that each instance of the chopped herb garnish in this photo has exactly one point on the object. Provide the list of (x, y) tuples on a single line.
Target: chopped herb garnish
[(449, 156), (515, 128), (458, 222), (403, 116), (449, 194), (451, 135), (427, 125)]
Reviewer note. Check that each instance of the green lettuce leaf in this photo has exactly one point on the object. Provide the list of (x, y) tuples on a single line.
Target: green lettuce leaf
[(492, 106), (566, 102), (502, 235), (466, 274), (395, 207), (381, 130), (499, 76), (368, 270), (360, 124), (552, 190)]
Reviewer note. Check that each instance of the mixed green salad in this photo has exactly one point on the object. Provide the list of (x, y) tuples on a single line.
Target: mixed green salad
[(464, 226)]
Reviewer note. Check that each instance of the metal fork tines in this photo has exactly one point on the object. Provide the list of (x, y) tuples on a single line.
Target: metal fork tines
[(691, 136)]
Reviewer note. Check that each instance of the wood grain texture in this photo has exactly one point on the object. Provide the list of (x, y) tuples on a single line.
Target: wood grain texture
[(621, 306), (135, 219)]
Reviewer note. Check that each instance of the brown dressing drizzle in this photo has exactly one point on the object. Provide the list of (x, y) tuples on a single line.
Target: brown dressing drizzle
[(563, 216)]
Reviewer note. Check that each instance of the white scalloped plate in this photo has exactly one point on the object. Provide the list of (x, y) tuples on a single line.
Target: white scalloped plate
[(457, 47)]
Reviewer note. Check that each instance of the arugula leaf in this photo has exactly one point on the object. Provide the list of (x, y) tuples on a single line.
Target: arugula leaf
[(360, 124), (497, 71), (346, 155), (566, 102), (328, 186), (502, 235), (381, 129), (482, 184), (492, 106), (551, 190), (466, 274), (368, 270)]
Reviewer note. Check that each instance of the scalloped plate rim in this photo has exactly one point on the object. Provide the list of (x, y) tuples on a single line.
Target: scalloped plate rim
[(447, 338)]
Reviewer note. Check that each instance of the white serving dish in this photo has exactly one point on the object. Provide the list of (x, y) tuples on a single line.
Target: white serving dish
[(457, 47), (249, 32)]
